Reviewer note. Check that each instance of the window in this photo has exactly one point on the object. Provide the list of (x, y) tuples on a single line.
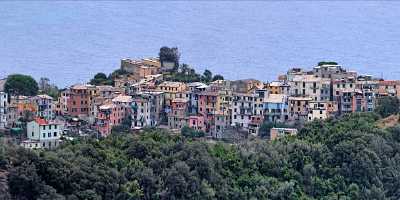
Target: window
[(33, 133), (48, 134), (44, 127), (44, 135), (55, 134)]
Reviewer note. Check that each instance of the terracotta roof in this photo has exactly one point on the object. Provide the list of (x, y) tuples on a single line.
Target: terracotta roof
[(389, 82), (41, 121)]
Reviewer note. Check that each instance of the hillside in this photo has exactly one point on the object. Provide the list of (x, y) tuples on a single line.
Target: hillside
[(388, 122), (348, 158)]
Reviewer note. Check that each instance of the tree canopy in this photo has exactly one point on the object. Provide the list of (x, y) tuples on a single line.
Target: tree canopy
[(217, 77), (207, 76), (191, 133), (387, 106), (101, 79), (169, 55), (19, 84), (346, 158), (327, 63)]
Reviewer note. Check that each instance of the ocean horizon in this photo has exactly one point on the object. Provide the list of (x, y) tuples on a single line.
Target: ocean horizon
[(69, 42)]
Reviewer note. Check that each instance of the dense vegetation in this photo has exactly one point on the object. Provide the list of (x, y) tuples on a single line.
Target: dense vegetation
[(19, 84), (186, 74), (167, 54), (101, 79), (327, 63), (348, 158), (388, 106)]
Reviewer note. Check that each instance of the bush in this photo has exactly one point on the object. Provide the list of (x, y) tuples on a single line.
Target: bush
[(191, 133), (327, 63), (387, 106)]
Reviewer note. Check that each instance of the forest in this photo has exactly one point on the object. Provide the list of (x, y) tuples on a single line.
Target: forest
[(340, 158)]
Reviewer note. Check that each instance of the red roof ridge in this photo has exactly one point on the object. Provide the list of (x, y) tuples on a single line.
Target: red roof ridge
[(41, 121)]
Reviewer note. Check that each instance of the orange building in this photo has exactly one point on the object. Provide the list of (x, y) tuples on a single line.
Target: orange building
[(79, 101)]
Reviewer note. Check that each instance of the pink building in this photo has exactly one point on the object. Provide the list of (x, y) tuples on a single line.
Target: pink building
[(177, 117), (197, 123), (109, 115), (207, 107)]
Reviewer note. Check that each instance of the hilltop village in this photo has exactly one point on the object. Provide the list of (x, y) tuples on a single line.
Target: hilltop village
[(160, 93)]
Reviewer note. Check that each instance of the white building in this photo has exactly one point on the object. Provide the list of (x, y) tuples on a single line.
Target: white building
[(318, 110), (146, 109), (310, 86), (43, 134), (242, 109), (3, 109)]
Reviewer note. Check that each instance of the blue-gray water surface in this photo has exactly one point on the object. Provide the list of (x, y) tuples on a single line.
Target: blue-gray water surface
[(70, 41)]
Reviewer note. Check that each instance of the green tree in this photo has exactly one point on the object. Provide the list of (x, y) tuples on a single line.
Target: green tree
[(169, 55), (327, 63), (101, 79), (18, 84), (191, 133), (387, 106), (207, 76), (217, 77)]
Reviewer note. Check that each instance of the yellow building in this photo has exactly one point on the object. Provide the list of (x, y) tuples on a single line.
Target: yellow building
[(172, 90)]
